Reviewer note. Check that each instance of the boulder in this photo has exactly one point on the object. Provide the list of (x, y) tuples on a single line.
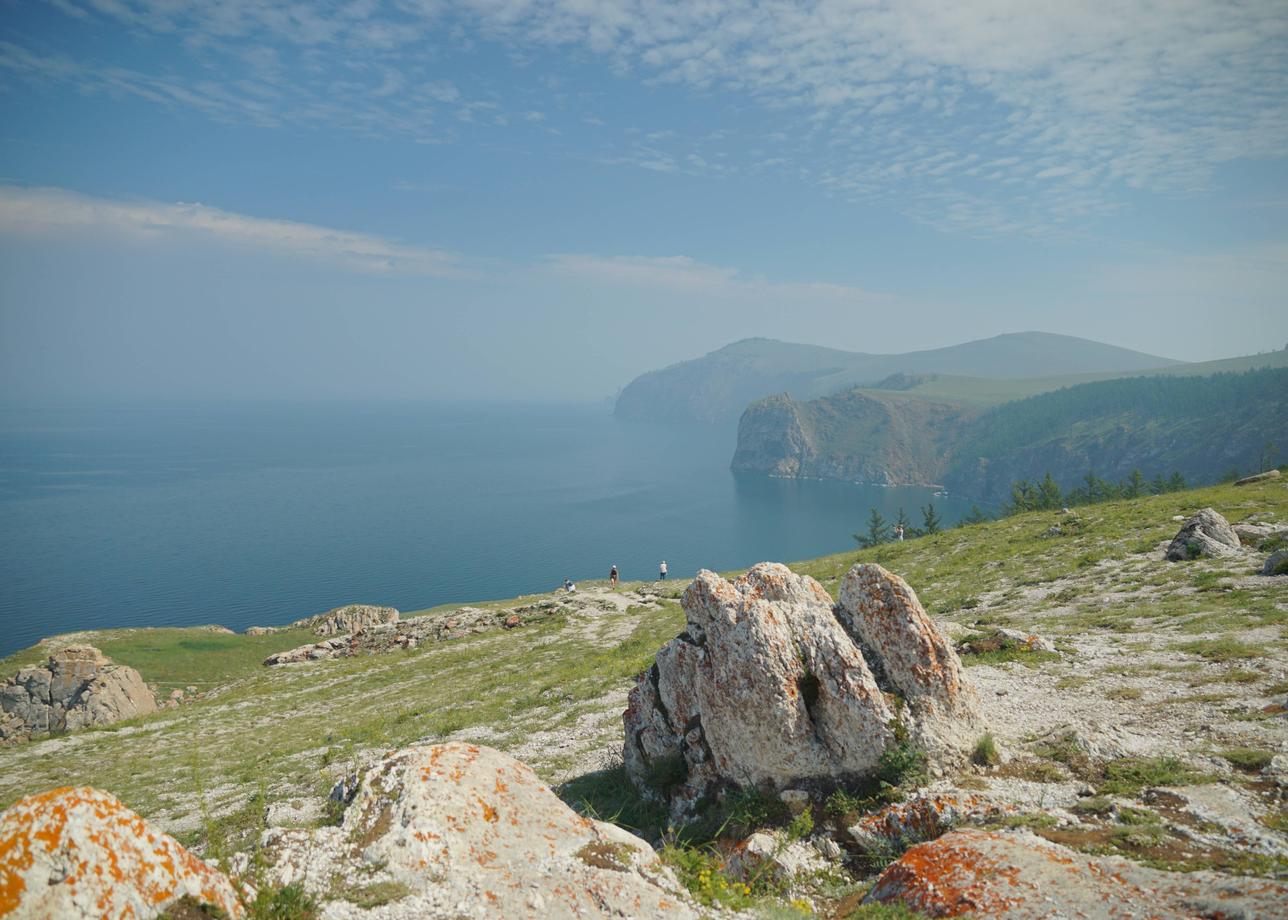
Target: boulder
[(1276, 563), (472, 832), (1019, 876), (338, 647), (79, 853), (350, 619), (768, 856), (770, 686), (923, 817), (1258, 477), (1204, 534), (78, 686)]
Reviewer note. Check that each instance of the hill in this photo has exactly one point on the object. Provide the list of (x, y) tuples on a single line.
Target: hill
[(1151, 734), (718, 386), (1201, 427)]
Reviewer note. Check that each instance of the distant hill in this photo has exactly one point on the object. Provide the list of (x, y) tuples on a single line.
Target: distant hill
[(1200, 426), (718, 386)]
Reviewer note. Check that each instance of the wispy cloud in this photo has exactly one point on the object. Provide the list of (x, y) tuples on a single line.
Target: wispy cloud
[(48, 212), (999, 116)]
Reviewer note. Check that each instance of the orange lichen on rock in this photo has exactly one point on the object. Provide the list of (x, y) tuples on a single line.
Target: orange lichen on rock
[(1018, 876), (79, 852)]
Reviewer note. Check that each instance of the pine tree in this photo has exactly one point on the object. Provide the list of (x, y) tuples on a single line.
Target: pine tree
[(1023, 497), (1158, 485), (1049, 495), (975, 517), (878, 531), (930, 521), (1134, 487), (1176, 483)]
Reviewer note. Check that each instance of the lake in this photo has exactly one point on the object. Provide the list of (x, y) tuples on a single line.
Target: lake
[(260, 515)]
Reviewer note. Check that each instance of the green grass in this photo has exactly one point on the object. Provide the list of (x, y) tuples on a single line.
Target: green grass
[(1249, 760), (1226, 648), (1130, 775)]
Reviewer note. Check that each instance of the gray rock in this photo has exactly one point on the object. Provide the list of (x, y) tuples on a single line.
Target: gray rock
[(347, 620), (1259, 477), (769, 686), (1204, 534), (1276, 563), (76, 688), (471, 832)]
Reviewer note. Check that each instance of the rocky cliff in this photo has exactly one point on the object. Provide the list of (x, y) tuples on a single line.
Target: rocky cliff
[(1201, 427), (865, 436)]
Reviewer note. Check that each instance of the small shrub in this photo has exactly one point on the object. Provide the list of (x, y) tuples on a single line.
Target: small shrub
[(1249, 760), (801, 826), (289, 902), (985, 753), (902, 763), (892, 911), (1097, 805), (1224, 649), (1130, 775), (701, 871), (748, 810)]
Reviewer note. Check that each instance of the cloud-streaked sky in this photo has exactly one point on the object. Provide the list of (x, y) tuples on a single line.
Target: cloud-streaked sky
[(542, 198)]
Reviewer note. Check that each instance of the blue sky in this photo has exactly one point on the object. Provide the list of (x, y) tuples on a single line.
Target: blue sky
[(513, 198)]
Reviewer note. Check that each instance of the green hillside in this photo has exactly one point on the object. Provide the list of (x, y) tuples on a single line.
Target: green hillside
[(1166, 674)]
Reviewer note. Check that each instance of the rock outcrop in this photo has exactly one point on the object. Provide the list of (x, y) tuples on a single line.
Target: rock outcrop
[(770, 686), (472, 832), (1019, 876), (1206, 533), (351, 618), (77, 853), (1258, 477), (79, 686)]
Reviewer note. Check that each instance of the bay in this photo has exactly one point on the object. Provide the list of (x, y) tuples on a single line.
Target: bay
[(258, 515)]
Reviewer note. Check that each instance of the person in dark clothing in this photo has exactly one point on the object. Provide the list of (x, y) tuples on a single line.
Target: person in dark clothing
[(612, 576)]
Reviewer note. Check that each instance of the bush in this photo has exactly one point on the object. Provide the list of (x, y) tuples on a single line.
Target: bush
[(1249, 760), (985, 753), (1130, 775), (290, 902)]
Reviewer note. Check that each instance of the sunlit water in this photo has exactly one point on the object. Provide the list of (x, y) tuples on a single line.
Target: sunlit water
[(262, 515)]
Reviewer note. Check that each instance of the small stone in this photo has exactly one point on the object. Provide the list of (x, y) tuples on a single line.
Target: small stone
[(796, 800)]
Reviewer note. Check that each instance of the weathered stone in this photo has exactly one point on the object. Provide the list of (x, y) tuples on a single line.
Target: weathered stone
[(1204, 534), (882, 612), (348, 620), (765, 855), (767, 688), (79, 853), (338, 647), (1258, 477), (78, 687), (1276, 563), (1019, 876), (264, 630), (1031, 641), (472, 832), (922, 817)]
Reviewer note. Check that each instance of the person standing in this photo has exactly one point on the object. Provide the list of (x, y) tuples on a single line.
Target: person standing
[(661, 571), (612, 576)]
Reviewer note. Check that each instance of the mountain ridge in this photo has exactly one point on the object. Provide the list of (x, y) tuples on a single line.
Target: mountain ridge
[(719, 385)]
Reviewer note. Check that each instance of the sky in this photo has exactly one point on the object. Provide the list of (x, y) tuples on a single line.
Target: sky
[(540, 199)]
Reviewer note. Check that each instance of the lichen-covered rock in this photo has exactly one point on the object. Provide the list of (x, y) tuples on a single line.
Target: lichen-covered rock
[(1019, 876), (79, 686), (1207, 533), (1276, 563), (472, 832), (922, 817), (79, 853), (768, 686), (350, 619), (768, 856), (337, 647)]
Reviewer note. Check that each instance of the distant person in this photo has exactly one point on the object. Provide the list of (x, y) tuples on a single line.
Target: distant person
[(661, 571), (569, 586), (898, 532), (612, 576)]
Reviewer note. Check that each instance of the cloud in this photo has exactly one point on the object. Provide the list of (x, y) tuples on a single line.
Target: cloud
[(46, 212), (1069, 107)]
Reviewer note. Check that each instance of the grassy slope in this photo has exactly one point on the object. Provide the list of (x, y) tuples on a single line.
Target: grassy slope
[(981, 392), (285, 730)]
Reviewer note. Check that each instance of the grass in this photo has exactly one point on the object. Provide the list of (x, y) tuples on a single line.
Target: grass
[(1249, 760), (1223, 649), (1130, 775), (985, 752)]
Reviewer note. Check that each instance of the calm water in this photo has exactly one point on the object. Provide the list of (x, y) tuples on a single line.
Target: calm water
[(260, 516)]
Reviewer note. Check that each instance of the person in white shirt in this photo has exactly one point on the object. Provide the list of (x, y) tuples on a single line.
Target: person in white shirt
[(661, 571)]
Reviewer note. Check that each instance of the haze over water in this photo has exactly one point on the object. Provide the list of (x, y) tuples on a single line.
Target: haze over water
[(258, 516)]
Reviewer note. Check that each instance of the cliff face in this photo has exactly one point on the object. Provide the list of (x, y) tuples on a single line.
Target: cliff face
[(1201, 427), (876, 438)]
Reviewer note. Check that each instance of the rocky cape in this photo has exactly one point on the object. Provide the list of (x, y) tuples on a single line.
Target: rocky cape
[(1200, 427)]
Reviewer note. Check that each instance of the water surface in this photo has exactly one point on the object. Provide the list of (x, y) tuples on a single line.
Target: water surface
[(245, 516)]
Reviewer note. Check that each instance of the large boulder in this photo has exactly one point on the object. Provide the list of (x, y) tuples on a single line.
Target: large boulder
[(1019, 876), (1205, 534), (77, 687), (771, 686), (351, 618), (76, 853), (471, 832), (1258, 477)]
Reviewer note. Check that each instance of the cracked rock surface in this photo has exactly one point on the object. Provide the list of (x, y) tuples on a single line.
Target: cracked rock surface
[(772, 686)]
